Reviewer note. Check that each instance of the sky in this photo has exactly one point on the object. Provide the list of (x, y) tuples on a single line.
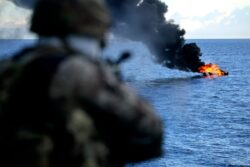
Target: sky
[(211, 18), (200, 18), (14, 21)]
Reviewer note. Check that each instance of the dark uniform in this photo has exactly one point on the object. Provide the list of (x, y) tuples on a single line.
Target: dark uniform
[(62, 107)]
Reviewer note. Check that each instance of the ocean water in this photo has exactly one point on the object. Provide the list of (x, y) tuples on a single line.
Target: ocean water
[(206, 121)]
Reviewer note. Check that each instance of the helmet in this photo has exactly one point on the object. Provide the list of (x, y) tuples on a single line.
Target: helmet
[(63, 17)]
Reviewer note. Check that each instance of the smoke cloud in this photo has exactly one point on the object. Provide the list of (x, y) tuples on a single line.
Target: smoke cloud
[(144, 21)]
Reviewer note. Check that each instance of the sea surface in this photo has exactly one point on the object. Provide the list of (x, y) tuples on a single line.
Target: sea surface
[(206, 120)]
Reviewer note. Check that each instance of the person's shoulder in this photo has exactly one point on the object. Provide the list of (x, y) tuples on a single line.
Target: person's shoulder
[(80, 74), (79, 62), (79, 67), (85, 64)]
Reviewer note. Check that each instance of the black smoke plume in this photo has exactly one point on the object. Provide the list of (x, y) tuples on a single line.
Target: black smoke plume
[(143, 20)]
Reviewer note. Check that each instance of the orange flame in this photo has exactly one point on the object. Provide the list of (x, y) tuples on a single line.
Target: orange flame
[(212, 70)]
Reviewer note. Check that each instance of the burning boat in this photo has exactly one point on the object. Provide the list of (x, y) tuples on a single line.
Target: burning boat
[(212, 70)]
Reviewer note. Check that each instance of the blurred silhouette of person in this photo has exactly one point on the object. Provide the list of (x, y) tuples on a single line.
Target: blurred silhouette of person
[(61, 105)]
